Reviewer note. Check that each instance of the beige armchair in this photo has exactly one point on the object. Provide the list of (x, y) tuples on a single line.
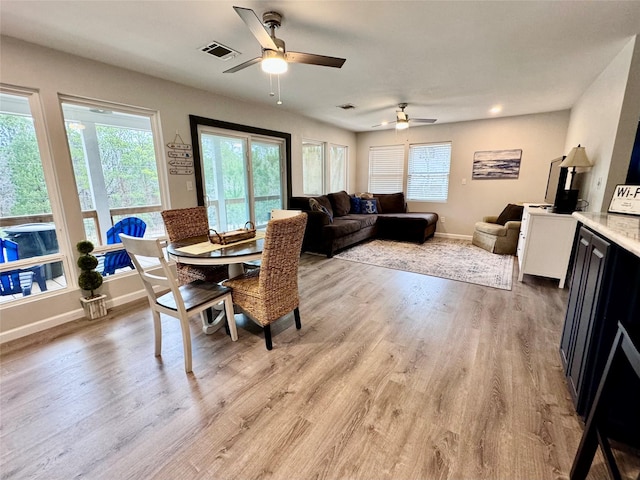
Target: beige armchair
[(499, 234)]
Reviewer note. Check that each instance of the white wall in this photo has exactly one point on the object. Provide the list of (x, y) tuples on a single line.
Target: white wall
[(604, 121), (541, 138), (53, 73)]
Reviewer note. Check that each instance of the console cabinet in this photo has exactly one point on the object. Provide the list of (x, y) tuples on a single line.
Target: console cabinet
[(544, 245)]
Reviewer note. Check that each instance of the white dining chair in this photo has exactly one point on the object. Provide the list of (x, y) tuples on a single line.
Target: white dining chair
[(181, 301), (278, 213)]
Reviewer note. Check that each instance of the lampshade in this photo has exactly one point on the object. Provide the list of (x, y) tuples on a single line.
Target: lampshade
[(273, 62), (402, 124), (577, 158)]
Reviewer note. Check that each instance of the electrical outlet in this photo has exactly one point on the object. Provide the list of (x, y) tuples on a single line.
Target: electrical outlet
[(189, 185), (443, 219), (464, 181)]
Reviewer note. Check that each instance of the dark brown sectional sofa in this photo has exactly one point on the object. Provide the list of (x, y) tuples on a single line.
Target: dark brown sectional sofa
[(339, 229)]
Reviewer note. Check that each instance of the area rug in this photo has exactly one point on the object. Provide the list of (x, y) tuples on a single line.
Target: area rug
[(438, 257)]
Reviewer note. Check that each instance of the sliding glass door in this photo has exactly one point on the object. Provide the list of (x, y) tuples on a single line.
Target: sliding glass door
[(242, 177)]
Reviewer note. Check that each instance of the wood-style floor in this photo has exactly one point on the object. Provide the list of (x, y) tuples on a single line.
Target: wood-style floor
[(394, 375)]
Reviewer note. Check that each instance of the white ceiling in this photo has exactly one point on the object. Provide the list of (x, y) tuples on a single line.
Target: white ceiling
[(449, 60)]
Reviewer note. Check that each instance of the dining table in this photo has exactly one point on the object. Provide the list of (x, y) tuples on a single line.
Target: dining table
[(201, 251)]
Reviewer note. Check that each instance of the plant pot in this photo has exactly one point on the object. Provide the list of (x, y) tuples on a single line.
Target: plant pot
[(94, 307)]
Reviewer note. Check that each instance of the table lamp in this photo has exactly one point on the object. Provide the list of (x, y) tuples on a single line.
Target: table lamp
[(569, 198), (577, 158)]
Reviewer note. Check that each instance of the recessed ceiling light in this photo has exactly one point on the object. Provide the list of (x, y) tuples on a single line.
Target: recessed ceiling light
[(496, 109)]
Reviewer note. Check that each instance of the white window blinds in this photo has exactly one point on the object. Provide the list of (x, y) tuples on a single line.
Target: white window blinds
[(386, 169), (428, 175)]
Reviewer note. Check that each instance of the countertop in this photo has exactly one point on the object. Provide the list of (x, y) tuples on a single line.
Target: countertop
[(621, 229)]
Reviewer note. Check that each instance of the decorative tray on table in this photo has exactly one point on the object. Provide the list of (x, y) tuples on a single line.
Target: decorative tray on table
[(225, 238)]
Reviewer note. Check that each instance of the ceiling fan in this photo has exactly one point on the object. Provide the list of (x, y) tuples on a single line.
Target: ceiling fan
[(402, 119), (274, 57)]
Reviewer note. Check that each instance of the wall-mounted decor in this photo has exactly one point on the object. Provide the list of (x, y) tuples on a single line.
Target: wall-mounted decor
[(496, 164), (180, 157)]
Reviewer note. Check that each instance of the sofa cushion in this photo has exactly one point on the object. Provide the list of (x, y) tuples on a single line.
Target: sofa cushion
[(369, 206), (510, 212), (341, 227), (363, 219), (317, 207), (356, 204), (416, 227), (391, 202), (340, 202)]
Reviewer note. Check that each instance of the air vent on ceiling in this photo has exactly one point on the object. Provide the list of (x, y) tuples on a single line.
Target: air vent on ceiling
[(216, 49), (347, 106)]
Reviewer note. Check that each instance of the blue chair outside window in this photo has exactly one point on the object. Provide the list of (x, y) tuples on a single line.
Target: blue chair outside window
[(132, 226), (15, 281)]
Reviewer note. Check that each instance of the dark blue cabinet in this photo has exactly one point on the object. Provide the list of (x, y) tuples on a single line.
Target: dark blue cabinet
[(605, 289)]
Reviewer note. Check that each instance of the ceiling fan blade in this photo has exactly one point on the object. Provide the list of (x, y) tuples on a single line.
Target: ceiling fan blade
[(313, 59), (243, 65), (423, 120), (249, 17), (383, 124)]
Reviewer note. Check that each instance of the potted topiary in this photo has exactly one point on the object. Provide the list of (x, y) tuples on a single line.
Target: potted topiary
[(95, 305)]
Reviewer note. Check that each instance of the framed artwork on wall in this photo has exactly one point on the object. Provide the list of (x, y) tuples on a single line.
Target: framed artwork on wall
[(496, 164)]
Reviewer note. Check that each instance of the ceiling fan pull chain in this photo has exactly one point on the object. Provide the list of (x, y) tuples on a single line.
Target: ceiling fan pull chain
[(271, 94), (279, 102)]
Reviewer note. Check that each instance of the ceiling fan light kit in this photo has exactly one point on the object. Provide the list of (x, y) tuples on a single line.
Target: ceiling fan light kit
[(402, 119), (273, 62)]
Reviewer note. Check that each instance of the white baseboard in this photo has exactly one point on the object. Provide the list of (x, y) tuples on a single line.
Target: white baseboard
[(455, 236), (69, 316)]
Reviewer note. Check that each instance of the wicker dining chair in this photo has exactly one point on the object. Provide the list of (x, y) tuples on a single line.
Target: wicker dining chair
[(270, 292), (275, 214), (181, 302), (182, 223)]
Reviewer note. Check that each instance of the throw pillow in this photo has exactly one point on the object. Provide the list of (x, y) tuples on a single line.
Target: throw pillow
[(316, 207), (511, 212), (356, 205), (369, 206)]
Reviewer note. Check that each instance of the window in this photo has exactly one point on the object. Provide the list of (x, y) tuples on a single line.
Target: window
[(242, 177), (114, 161), (27, 220), (428, 173), (386, 169), (312, 167), (337, 168), (317, 167)]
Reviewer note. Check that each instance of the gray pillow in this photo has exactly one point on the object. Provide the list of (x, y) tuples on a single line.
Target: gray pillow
[(316, 207)]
